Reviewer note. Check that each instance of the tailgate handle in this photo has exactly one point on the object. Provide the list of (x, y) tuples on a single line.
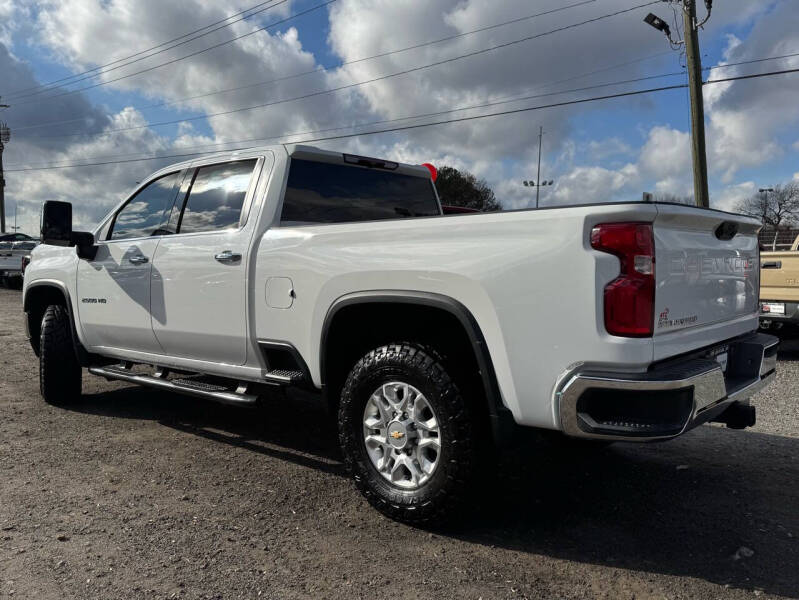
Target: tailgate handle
[(727, 230), (771, 264)]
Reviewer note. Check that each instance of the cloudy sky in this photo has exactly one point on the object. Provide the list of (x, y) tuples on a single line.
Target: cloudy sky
[(111, 97)]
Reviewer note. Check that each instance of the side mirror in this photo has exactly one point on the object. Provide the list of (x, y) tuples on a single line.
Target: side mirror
[(57, 223), (57, 229)]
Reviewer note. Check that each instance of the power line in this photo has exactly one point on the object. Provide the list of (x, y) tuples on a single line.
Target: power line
[(368, 81), (497, 102), (379, 131), (52, 84), (346, 63), (750, 62), (435, 123), (358, 60), (175, 60), (753, 76)]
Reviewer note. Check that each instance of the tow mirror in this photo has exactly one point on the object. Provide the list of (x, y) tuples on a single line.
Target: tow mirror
[(57, 229), (57, 223)]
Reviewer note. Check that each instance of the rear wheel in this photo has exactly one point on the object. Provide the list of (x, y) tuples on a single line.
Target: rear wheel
[(407, 435), (59, 370)]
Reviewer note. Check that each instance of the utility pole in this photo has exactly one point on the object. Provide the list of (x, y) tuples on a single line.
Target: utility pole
[(694, 65), (5, 135), (694, 61), (538, 178)]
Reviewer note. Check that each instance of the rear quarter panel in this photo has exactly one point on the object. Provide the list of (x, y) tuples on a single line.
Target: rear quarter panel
[(530, 279)]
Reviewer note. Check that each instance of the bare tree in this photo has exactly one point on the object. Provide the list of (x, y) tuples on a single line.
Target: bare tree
[(776, 209)]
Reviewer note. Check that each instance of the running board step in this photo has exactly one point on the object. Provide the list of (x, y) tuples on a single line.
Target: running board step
[(284, 376), (191, 387)]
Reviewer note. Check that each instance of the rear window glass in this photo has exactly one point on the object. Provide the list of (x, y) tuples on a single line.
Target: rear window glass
[(329, 193)]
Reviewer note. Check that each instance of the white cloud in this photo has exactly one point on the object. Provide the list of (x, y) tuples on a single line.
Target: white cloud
[(729, 197), (11, 13), (746, 117), (599, 150), (93, 191)]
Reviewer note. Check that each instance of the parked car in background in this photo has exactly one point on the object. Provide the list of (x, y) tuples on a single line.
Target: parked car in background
[(14, 248), (431, 335), (779, 290), (16, 237)]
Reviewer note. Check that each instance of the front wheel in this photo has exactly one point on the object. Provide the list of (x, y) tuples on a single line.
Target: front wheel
[(59, 370), (407, 434)]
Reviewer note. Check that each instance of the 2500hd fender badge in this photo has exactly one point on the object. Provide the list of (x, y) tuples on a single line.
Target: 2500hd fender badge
[(94, 300)]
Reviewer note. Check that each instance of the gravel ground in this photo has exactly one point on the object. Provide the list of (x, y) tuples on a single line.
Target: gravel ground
[(134, 493)]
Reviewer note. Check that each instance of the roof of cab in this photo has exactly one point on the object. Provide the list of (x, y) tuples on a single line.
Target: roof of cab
[(303, 152)]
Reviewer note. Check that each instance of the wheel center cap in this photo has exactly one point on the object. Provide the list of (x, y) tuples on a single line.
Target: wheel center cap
[(397, 434)]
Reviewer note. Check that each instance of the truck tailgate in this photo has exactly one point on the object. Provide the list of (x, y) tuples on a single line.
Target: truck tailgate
[(10, 260), (707, 278)]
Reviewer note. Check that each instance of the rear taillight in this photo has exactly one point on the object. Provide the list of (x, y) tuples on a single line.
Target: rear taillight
[(26, 260), (630, 298)]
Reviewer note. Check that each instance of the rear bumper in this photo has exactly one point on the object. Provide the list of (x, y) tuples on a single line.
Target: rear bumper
[(668, 400), (791, 315)]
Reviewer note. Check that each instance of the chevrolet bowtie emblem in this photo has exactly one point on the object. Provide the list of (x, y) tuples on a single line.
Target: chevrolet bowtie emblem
[(397, 435)]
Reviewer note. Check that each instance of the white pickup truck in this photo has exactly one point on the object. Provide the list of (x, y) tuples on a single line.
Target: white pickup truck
[(14, 249), (434, 337)]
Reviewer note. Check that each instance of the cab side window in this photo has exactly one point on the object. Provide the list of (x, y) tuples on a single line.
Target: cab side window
[(144, 214), (216, 197)]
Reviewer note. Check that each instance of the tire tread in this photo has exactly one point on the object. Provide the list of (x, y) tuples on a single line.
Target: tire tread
[(449, 499), (59, 371)]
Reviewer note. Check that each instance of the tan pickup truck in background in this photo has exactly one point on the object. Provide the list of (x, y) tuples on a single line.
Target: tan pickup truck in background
[(779, 290)]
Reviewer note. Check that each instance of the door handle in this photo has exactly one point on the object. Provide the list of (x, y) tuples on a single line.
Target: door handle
[(139, 259), (228, 256), (771, 264)]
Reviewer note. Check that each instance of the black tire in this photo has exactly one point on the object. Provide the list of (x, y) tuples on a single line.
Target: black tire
[(59, 371), (444, 496)]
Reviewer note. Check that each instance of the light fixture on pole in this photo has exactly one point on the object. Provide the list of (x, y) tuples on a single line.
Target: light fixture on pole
[(537, 185)]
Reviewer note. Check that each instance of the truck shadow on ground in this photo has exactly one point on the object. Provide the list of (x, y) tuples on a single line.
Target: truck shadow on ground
[(789, 349), (717, 504)]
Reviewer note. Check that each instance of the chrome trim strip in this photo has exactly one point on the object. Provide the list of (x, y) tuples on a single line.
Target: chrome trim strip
[(704, 376)]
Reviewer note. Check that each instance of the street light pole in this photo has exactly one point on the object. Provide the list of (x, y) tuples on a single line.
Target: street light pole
[(538, 179), (3, 138)]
